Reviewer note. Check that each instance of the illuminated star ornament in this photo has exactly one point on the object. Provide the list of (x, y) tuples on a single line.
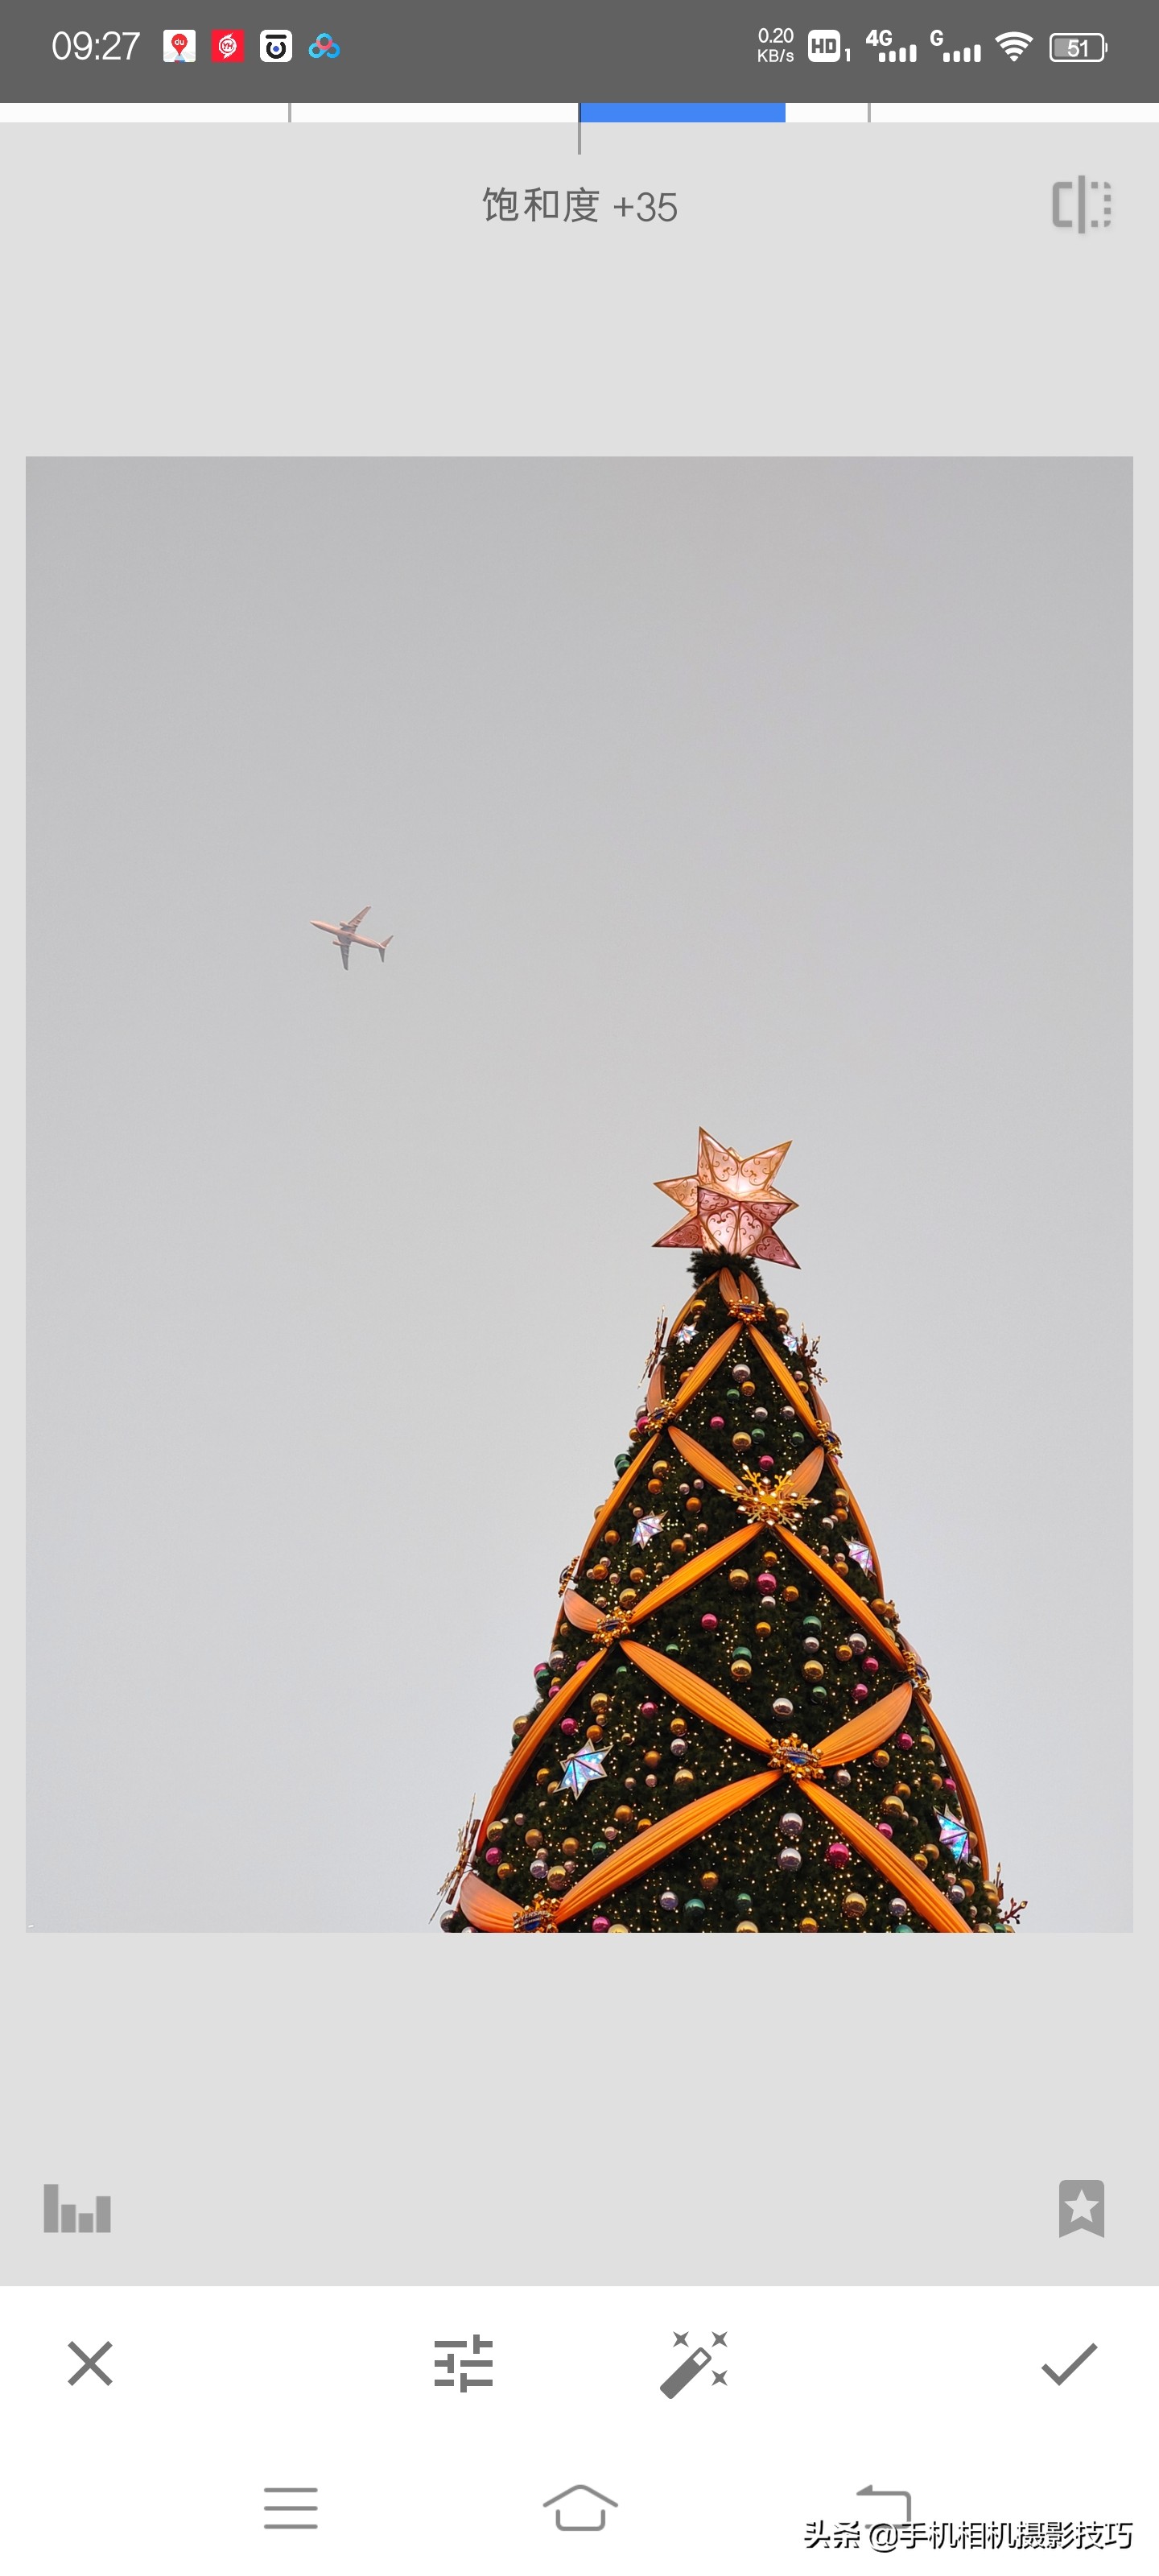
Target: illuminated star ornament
[(581, 1769), (731, 1204), (953, 1837)]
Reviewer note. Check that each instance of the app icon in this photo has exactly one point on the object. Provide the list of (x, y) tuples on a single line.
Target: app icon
[(227, 45), (275, 45), (179, 45), (325, 48)]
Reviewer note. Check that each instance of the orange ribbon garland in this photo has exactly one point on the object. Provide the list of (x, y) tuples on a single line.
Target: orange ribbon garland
[(554, 1708), (814, 1423), (926, 1900)]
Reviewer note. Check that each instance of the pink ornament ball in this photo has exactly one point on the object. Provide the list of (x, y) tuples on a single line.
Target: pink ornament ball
[(950, 1786), (837, 1855), (717, 1422), (859, 1691), (567, 1726), (768, 1462), (709, 1619), (648, 1708), (766, 1582), (887, 1830), (871, 1664), (553, 1687), (599, 1922), (493, 1855), (906, 1743)]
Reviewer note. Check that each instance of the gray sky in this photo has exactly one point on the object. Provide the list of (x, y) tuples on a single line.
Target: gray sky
[(793, 799)]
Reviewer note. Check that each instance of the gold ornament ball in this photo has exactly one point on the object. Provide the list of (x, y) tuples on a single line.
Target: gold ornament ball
[(570, 1847), (738, 1578), (853, 1908), (504, 1870), (889, 1807), (845, 1654), (595, 1735), (750, 1927), (808, 1924), (813, 1671), (709, 1882), (623, 1815), (684, 1780), (599, 1699), (617, 1927), (881, 1757), (557, 1877), (533, 1838), (763, 1628), (790, 1592), (741, 1440)]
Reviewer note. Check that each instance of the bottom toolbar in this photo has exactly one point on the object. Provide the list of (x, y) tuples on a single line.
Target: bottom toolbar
[(184, 2428)]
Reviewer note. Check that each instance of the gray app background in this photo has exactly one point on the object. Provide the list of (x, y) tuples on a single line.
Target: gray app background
[(790, 798)]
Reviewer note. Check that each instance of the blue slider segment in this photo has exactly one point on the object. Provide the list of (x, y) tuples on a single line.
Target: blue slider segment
[(698, 112)]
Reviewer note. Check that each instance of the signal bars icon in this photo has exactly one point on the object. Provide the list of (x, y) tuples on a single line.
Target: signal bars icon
[(1014, 43)]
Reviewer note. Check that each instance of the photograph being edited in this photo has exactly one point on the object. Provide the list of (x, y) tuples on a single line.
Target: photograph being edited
[(427, 860)]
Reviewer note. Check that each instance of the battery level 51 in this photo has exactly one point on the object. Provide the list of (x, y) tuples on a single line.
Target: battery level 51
[(1078, 49)]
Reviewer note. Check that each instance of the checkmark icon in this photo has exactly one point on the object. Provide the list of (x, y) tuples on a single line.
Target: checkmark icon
[(1058, 2376)]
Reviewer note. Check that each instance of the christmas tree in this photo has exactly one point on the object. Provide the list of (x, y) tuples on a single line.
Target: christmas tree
[(732, 1734)]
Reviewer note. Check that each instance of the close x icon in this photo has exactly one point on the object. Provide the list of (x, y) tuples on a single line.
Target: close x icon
[(90, 2361)]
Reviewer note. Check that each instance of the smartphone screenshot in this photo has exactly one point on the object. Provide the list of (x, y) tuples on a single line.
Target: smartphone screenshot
[(580, 628)]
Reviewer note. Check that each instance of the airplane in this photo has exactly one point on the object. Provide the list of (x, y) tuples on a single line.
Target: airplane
[(345, 936)]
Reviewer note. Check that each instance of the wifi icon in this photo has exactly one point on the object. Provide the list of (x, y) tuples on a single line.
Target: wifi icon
[(1014, 42)]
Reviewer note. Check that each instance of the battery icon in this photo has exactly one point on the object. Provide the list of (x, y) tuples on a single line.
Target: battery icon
[(1078, 49)]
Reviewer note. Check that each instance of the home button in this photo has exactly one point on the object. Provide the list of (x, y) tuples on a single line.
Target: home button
[(580, 2508)]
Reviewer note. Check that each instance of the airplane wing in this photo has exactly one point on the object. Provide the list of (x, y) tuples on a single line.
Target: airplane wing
[(359, 916), (344, 945)]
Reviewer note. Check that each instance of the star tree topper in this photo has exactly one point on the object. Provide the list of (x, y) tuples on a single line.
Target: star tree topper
[(731, 1204)]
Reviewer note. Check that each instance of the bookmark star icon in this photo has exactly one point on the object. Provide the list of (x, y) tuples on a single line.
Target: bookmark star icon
[(1082, 2210)]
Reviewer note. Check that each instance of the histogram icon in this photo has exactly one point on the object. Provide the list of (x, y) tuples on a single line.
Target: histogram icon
[(62, 2217)]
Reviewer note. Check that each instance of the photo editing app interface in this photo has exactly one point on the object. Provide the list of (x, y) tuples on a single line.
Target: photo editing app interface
[(571, 778)]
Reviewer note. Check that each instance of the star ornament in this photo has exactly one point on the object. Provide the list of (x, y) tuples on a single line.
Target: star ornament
[(581, 1769), (731, 1205)]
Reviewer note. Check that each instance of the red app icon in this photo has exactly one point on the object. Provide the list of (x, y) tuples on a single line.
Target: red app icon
[(227, 45)]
